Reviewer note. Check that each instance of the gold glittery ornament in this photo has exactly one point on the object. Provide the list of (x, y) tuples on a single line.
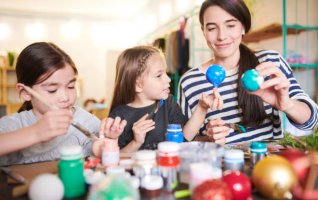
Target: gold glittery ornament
[(274, 177)]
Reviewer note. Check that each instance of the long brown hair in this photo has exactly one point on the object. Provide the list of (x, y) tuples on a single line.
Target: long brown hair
[(37, 62), (130, 65), (252, 106)]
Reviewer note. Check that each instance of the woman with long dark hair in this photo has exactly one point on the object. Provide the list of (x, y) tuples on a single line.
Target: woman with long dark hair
[(224, 23)]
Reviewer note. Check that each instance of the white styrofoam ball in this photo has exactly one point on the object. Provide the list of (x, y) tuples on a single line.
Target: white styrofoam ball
[(46, 186)]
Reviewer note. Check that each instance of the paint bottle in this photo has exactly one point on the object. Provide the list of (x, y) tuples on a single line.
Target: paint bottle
[(168, 162), (71, 171), (110, 153), (174, 133), (234, 160), (258, 151)]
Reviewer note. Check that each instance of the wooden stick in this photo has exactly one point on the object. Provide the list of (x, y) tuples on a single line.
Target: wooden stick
[(52, 107), (313, 171)]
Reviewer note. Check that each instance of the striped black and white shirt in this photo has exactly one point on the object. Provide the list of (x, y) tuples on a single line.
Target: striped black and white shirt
[(194, 82)]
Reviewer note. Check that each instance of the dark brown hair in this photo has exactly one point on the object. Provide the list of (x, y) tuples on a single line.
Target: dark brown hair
[(130, 65), (252, 106), (37, 62)]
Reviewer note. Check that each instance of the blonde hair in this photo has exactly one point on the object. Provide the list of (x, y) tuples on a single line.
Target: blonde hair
[(130, 65)]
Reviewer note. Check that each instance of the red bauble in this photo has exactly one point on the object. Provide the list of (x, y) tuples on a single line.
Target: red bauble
[(239, 184), (214, 189), (300, 162)]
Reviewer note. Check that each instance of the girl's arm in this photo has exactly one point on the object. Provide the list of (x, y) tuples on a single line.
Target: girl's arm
[(213, 101), (17, 140), (52, 124)]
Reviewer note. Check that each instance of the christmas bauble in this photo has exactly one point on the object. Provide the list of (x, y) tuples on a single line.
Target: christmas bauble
[(300, 162), (215, 75), (273, 177), (239, 184), (251, 81), (214, 189)]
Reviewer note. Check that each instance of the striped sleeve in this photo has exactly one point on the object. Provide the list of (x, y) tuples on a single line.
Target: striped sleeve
[(296, 92)]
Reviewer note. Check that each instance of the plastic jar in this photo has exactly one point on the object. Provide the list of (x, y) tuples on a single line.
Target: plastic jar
[(200, 172), (174, 133), (71, 171), (168, 162), (151, 186), (234, 160), (110, 153), (144, 162), (258, 151)]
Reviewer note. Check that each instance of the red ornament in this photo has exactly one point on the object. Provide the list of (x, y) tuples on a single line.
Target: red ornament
[(239, 184), (300, 162), (214, 189)]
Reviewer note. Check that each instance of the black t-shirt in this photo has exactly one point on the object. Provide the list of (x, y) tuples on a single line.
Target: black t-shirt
[(168, 113)]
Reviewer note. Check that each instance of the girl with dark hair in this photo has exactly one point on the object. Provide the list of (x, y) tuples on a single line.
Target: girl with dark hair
[(141, 82), (224, 23), (37, 132)]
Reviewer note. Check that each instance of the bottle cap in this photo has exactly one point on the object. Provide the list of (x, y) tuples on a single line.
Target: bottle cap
[(204, 171), (126, 163), (135, 181), (71, 152), (145, 155), (152, 182), (115, 170), (174, 127), (258, 147), (234, 155), (168, 147)]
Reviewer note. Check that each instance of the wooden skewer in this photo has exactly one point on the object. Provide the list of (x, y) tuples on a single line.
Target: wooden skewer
[(52, 107), (313, 171)]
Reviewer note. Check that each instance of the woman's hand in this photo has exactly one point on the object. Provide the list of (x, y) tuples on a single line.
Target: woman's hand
[(213, 101), (112, 128), (141, 128), (274, 91), (217, 131), (52, 124)]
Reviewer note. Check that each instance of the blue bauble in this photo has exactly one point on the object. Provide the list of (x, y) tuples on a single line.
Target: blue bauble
[(251, 80), (215, 75)]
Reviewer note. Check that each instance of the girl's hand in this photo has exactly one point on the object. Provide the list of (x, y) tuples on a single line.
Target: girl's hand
[(213, 101), (112, 128), (53, 123), (141, 128), (275, 90), (217, 131)]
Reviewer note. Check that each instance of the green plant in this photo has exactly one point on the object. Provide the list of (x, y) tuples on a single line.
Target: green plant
[(309, 142)]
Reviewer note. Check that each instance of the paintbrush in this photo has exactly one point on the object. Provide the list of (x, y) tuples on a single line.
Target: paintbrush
[(73, 123), (155, 110), (237, 127)]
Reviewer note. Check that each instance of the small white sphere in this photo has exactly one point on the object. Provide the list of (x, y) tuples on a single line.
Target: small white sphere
[(46, 186)]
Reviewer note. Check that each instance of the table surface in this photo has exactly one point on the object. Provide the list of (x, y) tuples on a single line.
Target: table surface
[(6, 189)]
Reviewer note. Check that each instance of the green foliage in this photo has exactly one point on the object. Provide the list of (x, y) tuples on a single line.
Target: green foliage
[(303, 143)]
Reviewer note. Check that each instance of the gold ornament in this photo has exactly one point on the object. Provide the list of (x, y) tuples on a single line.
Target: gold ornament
[(274, 177)]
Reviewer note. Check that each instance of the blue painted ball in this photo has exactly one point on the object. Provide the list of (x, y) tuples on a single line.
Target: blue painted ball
[(251, 81), (215, 75)]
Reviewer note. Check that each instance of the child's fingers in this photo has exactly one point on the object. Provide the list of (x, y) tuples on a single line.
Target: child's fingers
[(149, 129), (122, 125), (115, 124), (143, 122)]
